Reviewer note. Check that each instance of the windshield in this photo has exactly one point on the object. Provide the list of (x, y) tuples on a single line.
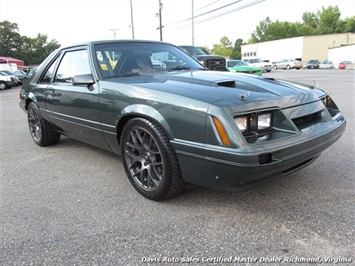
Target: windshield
[(128, 59), (236, 63), (192, 50)]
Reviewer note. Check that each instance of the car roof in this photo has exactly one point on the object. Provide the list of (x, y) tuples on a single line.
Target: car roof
[(95, 42)]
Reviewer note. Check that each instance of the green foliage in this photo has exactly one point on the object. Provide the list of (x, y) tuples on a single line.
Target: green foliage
[(31, 50), (10, 39), (326, 21), (224, 48), (237, 49)]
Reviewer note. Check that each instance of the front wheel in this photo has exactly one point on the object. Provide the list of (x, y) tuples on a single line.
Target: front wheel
[(149, 160), (288, 67), (41, 131), (3, 85)]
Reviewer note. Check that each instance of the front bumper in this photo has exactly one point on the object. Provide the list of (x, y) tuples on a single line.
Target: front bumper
[(241, 170)]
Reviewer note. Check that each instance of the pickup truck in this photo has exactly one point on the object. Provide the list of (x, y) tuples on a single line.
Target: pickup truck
[(212, 62)]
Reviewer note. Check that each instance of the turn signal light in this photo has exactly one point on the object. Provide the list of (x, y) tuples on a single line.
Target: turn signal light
[(221, 132)]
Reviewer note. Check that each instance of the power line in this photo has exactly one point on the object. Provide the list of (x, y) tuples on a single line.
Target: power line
[(216, 16), (206, 13)]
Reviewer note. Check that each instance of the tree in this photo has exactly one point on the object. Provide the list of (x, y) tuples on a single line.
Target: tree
[(31, 50), (261, 33), (224, 48), (310, 19), (349, 25), (326, 21), (10, 39), (35, 50), (237, 49), (329, 20)]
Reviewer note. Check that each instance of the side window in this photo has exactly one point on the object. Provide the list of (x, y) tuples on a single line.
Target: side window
[(49, 73), (73, 63)]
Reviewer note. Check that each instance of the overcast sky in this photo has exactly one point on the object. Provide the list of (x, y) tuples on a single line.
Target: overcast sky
[(73, 21)]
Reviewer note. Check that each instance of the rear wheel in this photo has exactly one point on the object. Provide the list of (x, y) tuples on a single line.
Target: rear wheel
[(288, 67), (149, 160), (41, 131)]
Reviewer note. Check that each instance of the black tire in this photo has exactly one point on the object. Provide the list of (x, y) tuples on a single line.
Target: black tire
[(3, 85), (150, 161), (288, 67), (41, 131)]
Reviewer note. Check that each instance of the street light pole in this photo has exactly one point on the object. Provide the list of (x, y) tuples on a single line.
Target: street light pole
[(160, 21), (193, 23), (132, 20)]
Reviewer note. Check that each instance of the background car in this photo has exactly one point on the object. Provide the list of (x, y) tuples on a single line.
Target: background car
[(326, 64), (31, 72), (344, 64), (16, 80), (240, 66), (265, 67), (181, 125), (313, 64), (6, 81), (288, 64)]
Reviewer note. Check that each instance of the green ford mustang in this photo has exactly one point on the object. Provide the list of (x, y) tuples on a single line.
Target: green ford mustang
[(173, 121), (240, 66)]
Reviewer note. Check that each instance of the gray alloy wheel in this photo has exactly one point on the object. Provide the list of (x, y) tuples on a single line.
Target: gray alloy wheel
[(288, 67), (40, 130), (149, 160), (3, 85)]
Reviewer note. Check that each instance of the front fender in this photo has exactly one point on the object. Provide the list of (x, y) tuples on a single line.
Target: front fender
[(146, 111)]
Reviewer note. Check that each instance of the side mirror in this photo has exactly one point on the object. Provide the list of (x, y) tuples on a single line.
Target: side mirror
[(86, 79)]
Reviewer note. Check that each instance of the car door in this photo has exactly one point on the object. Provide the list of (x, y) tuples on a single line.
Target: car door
[(282, 64), (73, 109)]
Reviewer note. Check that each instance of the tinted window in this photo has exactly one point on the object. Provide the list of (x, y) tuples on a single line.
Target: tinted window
[(73, 63), (124, 59), (47, 77)]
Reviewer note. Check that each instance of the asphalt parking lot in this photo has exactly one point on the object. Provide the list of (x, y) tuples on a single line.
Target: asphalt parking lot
[(71, 204)]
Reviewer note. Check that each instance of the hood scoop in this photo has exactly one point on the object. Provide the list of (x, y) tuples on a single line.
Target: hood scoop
[(227, 83)]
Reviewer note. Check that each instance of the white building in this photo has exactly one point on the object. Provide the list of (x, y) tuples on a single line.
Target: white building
[(342, 53), (302, 48)]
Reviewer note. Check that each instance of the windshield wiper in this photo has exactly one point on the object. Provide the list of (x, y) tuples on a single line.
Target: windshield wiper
[(129, 74)]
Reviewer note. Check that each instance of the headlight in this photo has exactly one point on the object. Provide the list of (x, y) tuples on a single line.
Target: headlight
[(253, 123), (264, 121), (242, 123), (202, 62)]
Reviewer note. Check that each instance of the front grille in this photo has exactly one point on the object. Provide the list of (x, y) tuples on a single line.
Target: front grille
[(253, 71), (216, 64), (307, 120)]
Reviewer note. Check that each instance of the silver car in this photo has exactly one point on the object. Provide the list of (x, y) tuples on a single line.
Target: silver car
[(288, 64)]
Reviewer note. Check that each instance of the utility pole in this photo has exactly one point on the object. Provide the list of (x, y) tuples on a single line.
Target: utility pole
[(160, 21), (193, 23), (114, 32), (132, 20)]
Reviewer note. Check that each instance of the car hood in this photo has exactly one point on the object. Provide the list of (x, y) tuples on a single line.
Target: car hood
[(229, 89)]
